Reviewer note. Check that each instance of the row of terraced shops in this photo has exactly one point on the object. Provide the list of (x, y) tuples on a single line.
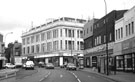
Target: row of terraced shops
[(119, 28)]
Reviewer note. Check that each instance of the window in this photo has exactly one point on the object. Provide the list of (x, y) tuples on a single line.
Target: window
[(23, 41), (32, 49), (61, 32), (42, 36), (77, 33), (55, 45), (95, 41), (87, 30), (66, 44), (49, 35), (132, 27), (37, 38), (37, 48), (116, 34), (121, 32), (129, 29), (32, 39), (24, 50), (81, 33), (99, 39), (110, 36), (61, 44), (49, 46), (66, 32), (82, 45), (69, 33), (28, 40), (77, 45), (72, 33), (42, 47), (28, 50), (55, 33), (104, 38), (126, 30)]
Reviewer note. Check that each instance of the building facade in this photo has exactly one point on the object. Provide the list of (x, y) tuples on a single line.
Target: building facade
[(2, 57), (57, 41), (103, 40), (88, 41), (124, 48)]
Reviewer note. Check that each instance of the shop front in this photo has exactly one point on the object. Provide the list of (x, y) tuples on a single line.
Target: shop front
[(128, 52)]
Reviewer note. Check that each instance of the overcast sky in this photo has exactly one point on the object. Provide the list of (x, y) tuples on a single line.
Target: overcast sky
[(16, 15)]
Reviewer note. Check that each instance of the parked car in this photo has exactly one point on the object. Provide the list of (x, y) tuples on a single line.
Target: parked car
[(71, 66), (29, 65), (49, 66), (9, 65), (41, 64)]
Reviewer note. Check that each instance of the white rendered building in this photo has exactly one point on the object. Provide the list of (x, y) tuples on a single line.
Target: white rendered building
[(58, 41), (124, 47)]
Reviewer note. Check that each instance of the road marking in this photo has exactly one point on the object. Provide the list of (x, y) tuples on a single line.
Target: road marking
[(44, 77), (76, 77), (41, 79), (89, 76), (78, 80), (61, 76)]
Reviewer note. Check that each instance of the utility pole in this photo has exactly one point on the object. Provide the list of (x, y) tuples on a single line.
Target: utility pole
[(107, 69)]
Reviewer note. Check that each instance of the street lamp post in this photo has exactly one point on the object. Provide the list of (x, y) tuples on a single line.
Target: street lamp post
[(107, 67), (6, 36)]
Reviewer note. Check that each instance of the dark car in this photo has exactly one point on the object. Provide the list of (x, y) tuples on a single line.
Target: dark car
[(71, 66), (49, 66), (41, 64)]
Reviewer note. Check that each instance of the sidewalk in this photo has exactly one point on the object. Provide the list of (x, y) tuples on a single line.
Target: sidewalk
[(6, 73), (119, 77)]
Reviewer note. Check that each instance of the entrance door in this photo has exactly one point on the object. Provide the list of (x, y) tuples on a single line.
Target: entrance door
[(102, 65), (0, 64)]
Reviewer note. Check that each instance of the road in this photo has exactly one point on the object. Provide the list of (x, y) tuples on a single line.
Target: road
[(55, 75)]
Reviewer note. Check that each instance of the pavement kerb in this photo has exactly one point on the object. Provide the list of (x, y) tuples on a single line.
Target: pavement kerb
[(104, 76), (7, 74)]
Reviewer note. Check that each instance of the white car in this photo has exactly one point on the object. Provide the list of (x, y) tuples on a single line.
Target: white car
[(29, 65), (9, 65)]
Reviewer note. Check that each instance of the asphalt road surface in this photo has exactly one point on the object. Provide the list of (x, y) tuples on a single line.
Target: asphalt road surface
[(55, 75)]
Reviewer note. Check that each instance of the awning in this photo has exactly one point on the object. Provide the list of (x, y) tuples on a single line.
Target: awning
[(2, 58)]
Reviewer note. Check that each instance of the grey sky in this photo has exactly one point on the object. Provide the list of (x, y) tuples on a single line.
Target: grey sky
[(17, 15)]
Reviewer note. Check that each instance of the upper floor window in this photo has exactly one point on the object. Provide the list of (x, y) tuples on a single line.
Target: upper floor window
[(23, 41), (110, 36), (121, 32), (132, 27), (49, 35), (61, 32), (37, 38), (129, 28), (55, 33), (28, 40), (42, 36), (81, 34), (126, 30), (104, 38), (116, 34), (87, 30), (32, 39)]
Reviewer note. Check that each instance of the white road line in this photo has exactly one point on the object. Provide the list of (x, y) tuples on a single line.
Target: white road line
[(47, 75), (61, 76), (78, 80), (41, 79), (44, 77), (76, 77)]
